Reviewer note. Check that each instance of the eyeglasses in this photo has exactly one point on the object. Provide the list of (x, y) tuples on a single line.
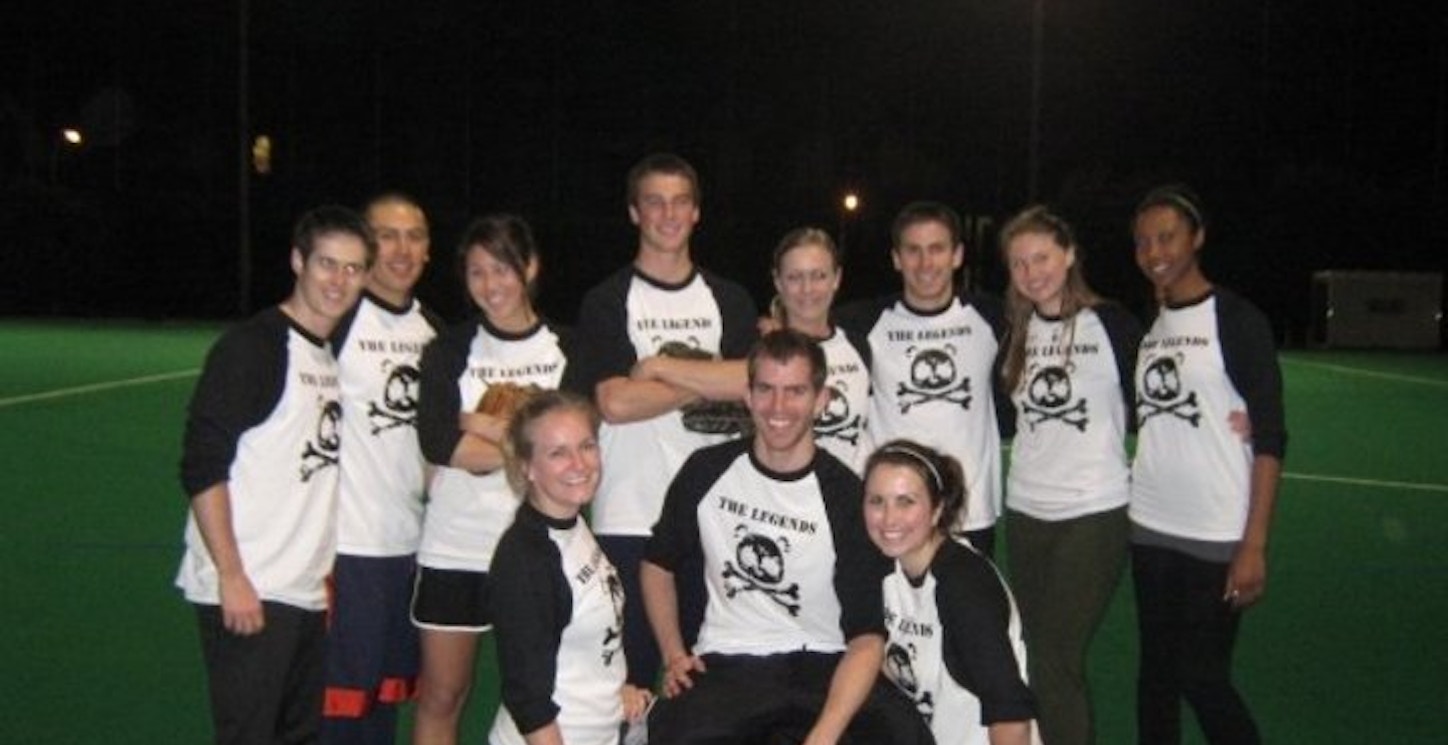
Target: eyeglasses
[(332, 266)]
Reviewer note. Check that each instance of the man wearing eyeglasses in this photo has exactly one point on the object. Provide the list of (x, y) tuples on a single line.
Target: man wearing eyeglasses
[(259, 463)]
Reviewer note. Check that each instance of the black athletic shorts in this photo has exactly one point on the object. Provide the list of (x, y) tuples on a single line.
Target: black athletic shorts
[(452, 600)]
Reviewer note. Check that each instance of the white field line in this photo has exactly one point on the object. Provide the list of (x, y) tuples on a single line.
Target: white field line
[(1348, 480), (1440, 383), (1374, 483), (81, 390), (177, 375)]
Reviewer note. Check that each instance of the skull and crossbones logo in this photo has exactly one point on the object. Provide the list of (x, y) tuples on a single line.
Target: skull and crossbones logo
[(322, 452), (933, 378), (835, 421), (900, 667), (1047, 396), (1161, 392), (760, 569), (399, 400), (613, 635)]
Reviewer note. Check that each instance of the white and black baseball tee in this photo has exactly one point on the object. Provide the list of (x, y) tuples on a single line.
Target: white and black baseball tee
[(785, 558), (265, 420), (1199, 362), (379, 503), (840, 428), (627, 317), (955, 646), (1073, 409), (559, 623), (467, 513), (932, 382)]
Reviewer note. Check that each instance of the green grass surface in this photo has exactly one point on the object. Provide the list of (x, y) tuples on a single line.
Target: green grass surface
[(1351, 645)]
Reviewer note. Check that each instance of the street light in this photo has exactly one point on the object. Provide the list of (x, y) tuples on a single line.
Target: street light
[(261, 155), (68, 138), (851, 203)]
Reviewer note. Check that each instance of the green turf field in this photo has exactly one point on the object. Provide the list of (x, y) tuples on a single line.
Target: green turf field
[(1350, 647)]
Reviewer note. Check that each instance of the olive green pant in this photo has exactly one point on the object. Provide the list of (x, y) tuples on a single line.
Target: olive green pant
[(1064, 574)]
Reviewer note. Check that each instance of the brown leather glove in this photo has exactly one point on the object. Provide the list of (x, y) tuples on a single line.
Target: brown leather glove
[(709, 417), (502, 400)]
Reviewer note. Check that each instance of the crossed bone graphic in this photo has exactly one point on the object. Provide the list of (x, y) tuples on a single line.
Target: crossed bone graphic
[(899, 659), (1192, 413), (614, 633), (926, 706), (610, 636), (1063, 415), (314, 460), (847, 431), (750, 584), (383, 420), (960, 394)]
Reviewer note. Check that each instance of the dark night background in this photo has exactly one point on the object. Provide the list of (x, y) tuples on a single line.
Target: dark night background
[(1314, 130)]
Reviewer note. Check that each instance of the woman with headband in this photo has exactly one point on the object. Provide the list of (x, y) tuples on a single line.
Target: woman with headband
[(954, 635), (1068, 370), (1201, 496)]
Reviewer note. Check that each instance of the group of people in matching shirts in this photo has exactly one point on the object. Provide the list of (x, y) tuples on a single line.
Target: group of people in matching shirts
[(824, 574)]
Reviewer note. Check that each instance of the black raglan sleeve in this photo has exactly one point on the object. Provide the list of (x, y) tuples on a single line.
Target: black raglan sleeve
[(241, 382), (1124, 333), (975, 615), (343, 330), (438, 399), (1250, 355), (532, 605), (858, 317), (860, 343), (860, 568), (674, 541), (1004, 406), (600, 347), (739, 315), (434, 320), (993, 311)]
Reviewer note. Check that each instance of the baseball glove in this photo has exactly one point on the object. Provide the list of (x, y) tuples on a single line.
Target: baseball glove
[(718, 418), (503, 399), (709, 417), (680, 350)]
